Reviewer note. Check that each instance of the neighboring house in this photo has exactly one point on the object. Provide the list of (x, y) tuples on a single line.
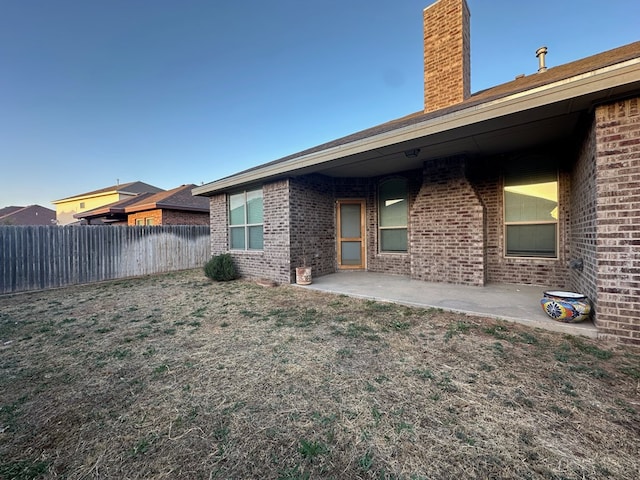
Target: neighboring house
[(66, 208), (111, 214), (536, 181), (172, 207), (31, 215)]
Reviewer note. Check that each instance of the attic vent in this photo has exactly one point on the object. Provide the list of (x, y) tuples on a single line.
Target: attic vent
[(540, 53)]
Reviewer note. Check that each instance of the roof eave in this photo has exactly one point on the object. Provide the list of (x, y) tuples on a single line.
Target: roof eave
[(99, 212), (94, 195), (141, 207), (599, 80), (163, 206)]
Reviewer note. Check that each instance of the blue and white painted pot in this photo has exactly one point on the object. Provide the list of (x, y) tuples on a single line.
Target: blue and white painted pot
[(568, 307)]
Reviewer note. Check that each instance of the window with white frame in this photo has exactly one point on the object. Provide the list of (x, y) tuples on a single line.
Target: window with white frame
[(392, 213), (246, 221), (531, 213)]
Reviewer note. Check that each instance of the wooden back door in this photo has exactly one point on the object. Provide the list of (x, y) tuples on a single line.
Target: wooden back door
[(351, 234)]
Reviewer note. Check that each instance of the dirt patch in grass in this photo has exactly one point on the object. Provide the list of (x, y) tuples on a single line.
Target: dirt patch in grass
[(172, 376)]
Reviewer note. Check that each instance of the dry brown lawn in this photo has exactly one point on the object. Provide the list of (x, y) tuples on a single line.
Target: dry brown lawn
[(173, 376)]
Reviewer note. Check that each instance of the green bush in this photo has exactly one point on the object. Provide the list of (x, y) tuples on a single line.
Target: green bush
[(221, 268)]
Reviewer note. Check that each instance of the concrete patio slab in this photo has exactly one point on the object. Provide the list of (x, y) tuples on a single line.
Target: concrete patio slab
[(514, 303)]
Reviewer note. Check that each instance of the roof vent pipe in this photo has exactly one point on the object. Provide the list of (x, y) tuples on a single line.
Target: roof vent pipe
[(540, 53)]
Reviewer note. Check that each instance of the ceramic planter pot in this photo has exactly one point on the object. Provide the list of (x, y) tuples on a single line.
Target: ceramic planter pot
[(568, 307), (303, 275)]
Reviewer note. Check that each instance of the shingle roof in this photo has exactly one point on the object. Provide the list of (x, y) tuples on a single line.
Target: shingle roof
[(179, 198), (131, 187), (30, 215), (552, 75), (561, 72), (8, 210)]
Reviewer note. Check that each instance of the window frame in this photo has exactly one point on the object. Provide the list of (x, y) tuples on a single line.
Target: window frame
[(245, 225), (404, 227), (555, 222)]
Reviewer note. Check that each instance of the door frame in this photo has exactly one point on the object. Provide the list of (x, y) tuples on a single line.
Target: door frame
[(362, 238)]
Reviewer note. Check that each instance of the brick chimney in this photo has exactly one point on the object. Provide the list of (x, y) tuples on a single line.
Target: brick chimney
[(447, 54)]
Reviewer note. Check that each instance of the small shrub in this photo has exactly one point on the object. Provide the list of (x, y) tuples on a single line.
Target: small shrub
[(220, 268)]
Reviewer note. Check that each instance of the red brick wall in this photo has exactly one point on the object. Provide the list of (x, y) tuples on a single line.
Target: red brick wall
[(155, 215), (549, 273), (447, 54), (218, 219), (386, 262), (583, 218), (455, 227), (447, 220), (320, 194), (273, 261), (618, 217), (178, 217), (277, 232), (313, 224), (170, 217)]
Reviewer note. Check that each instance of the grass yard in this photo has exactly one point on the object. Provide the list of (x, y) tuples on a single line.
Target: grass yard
[(172, 376)]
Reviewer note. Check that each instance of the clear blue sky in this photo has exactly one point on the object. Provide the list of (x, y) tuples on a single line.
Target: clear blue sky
[(189, 91)]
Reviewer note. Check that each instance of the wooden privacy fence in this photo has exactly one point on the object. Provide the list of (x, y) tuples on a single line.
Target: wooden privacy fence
[(40, 257)]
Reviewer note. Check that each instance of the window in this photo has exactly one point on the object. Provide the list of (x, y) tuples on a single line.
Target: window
[(245, 221), (392, 208), (139, 221), (531, 213), (148, 221), (81, 204)]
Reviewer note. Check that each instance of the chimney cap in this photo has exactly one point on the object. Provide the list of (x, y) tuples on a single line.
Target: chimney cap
[(540, 53)]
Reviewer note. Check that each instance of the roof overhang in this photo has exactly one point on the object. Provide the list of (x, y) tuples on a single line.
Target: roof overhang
[(164, 206), (522, 120), (94, 195)]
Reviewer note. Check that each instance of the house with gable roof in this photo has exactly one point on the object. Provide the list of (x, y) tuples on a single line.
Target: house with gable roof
[(536, 181), (171, 207), (67, 207), (29, 215)]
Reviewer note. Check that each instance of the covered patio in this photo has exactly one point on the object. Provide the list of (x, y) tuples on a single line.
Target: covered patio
[(514, 303)]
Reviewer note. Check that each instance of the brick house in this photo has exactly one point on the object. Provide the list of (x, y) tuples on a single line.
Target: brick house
[(536, 181), (171, 207), (69, 208)]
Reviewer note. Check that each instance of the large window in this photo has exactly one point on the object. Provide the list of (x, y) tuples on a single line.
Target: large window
[(531, 213), (393, 215), (245, 220)]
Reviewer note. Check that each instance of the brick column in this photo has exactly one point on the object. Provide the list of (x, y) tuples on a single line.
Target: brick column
[(312, 224), (583, 228), (447, 227), (219, 230), (618, 220)]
